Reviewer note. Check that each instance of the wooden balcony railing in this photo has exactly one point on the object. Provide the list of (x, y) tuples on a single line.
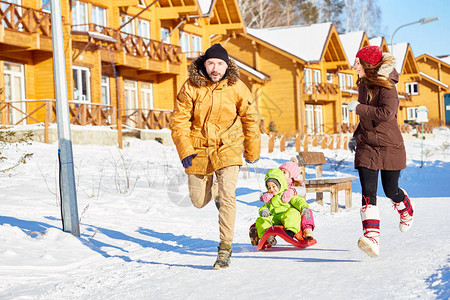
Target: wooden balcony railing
[(320, 88), (132, 44), (145, 118), (24, 19)]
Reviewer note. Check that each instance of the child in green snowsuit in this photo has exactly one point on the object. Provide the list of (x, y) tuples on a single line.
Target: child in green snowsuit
[(278, 212)]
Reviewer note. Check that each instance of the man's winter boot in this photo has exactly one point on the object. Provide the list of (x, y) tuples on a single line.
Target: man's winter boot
[(370, 218), (253, 233), (406, 210), (223, 260)]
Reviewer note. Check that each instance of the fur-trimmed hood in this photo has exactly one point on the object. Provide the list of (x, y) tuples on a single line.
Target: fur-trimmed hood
[(388, 67), (197, 77)]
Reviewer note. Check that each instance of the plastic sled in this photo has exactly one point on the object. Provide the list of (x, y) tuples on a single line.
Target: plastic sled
[(278, 230)]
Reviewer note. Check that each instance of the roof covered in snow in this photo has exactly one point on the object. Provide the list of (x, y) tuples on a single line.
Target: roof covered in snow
[(434, 79), (399, 53), (446, 59), (376, 41), (305, 42), (351, 42), (252, 71)]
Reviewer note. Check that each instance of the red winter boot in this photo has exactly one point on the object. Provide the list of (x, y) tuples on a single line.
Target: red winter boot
[(370, 218), (406, 210)]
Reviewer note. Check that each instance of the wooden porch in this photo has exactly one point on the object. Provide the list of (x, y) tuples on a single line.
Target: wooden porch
[(32, 112)]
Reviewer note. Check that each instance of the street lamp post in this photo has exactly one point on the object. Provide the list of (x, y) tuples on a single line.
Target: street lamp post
[(421, 21)]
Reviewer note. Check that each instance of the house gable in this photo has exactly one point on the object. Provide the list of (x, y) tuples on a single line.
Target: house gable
[(224, 17), (405, 64), (380, 42), (409, 65), (333, 54)]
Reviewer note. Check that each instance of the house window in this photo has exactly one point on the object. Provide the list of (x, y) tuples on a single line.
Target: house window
[(196, 45), (349, 81), (345, 118), (318, 119), (129, 28), (165, 38), (341, 81), (411, 113), (329, 77), (147, 95), (81, 84), (313, 118), (14, 90), (80, 15), (317, 77), (99, 17), (106, 97), (308, 80), (309, 118), (144, 28), (412, 88), (184, 43), (131, 100)]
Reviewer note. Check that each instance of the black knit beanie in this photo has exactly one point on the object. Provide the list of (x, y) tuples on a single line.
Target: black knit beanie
[(274, 181), (217, 51)]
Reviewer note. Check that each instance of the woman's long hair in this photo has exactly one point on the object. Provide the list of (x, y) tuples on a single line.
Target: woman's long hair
[(373, 77)]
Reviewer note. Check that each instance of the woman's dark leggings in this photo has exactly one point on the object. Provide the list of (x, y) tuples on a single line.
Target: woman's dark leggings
[(369, 183)]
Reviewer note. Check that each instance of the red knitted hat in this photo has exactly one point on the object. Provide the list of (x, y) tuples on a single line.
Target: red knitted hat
[(370, 54)]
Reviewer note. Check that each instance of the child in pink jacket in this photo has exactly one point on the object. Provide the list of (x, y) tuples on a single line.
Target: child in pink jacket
[(291, 171)]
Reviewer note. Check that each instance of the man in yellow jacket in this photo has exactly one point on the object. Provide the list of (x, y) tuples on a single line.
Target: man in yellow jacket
[(214, 124)]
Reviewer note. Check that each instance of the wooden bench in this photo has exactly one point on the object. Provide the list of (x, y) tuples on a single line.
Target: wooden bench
[(321, 184)]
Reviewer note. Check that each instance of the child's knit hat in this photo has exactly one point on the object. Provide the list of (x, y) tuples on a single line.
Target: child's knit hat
[(292, 167), (274, 181)]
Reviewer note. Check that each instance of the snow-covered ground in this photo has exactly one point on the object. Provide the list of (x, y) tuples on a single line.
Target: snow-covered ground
[(142, 239)]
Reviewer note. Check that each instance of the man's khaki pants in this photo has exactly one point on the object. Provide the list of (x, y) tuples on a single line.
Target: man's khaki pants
[(202, 189)]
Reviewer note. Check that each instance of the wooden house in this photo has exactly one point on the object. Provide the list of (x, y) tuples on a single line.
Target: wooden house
[(433, 90), (303, 63), (124, 58)]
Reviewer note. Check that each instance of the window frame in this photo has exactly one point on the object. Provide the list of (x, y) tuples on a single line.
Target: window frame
[(99, 16), (79, 81), (412, 88), (80, 22), (411, 113)]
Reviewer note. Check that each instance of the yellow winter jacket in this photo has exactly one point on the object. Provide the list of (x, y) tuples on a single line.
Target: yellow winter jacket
[(217, 121)]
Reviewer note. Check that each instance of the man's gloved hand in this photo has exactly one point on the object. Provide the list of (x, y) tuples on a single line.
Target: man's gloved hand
[(265, 213), (352, 105), (251, 161), (187, 161), (352, 144), (266, 197)]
